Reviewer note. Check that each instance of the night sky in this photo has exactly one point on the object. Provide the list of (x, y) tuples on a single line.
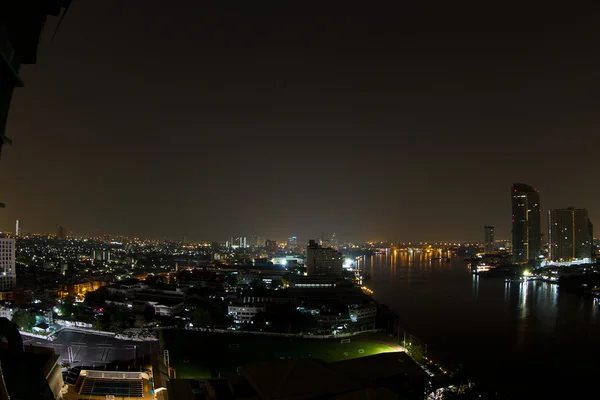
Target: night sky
[(164, 119)]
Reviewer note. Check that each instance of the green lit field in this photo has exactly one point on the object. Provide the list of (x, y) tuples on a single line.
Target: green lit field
[(204, 355)]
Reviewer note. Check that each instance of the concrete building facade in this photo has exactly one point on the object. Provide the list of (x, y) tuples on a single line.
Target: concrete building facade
[(569, 234), (323, 261)]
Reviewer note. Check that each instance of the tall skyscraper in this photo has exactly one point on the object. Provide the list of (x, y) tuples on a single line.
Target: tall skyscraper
[(526, 225), (271, 246), (292, 243), (17, 229), (570, 236), (8, 272), (335, 243), (489, 242), (323, 261), (60, 232)]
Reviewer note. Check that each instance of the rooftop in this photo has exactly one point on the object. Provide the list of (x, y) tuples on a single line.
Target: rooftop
[(101, 384)]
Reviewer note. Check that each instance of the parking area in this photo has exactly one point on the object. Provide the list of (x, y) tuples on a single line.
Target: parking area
[(88, 349)]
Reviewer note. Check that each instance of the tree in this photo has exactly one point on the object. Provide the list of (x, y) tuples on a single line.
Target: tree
[(97, 297), (416, 351), (114, 319), (149, 313), (201, 317), (257, 283), (303, 322), (24, 320), (275, 284), (98, 324)]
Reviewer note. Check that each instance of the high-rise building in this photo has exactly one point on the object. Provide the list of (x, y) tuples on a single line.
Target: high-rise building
[(569, 234), (591, 233), (271, 246), (323, 261), (489, 243), (323, 241), (101, 255), (17, 229), (60, 232), (292, 243), (8, 272), (526, 224), (335, 243)]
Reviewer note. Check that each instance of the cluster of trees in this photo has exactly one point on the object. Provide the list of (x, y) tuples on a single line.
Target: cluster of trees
[(97, 297), (210, 314), (114, 319), (24, 320)]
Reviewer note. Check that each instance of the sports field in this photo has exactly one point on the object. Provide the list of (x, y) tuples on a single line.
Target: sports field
[(204, 355)]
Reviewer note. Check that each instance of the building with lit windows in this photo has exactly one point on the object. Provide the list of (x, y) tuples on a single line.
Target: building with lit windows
[(526, 223), (243, 314), (8, 274), (362, 312), (569, 234), (271, 246), (323, 261), (489, 243), (292, 243)]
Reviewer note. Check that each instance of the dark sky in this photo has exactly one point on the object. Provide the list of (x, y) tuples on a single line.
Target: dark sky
[(156, 118)]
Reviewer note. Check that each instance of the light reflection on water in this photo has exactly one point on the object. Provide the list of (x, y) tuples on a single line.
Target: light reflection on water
[(466, 318)]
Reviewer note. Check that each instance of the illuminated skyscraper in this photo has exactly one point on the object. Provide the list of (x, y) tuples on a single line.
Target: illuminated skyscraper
[(489, 243), (8, 273), (569, 234), (323, 261), (526, 225), (292, 243), (17, 229), (335, 243)]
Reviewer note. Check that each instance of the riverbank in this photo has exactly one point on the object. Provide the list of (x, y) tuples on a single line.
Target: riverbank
[(498, 332)]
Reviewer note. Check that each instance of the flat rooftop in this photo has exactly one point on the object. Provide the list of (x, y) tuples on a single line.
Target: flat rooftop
[(100, 384)]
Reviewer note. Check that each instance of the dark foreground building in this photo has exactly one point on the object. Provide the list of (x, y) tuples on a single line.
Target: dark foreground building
[(382, 376), (27, 373), (21, 24)]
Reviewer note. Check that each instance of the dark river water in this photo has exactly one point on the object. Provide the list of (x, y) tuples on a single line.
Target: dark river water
[(526, 339)]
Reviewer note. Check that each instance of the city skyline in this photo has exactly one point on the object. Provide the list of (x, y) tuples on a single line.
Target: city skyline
[(204, 199), (310, 121), (489, 231)]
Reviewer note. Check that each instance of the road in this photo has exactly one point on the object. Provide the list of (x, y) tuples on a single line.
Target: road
[(94, 350)]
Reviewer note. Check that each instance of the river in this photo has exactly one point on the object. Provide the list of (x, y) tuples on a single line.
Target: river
[(525, 339)]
